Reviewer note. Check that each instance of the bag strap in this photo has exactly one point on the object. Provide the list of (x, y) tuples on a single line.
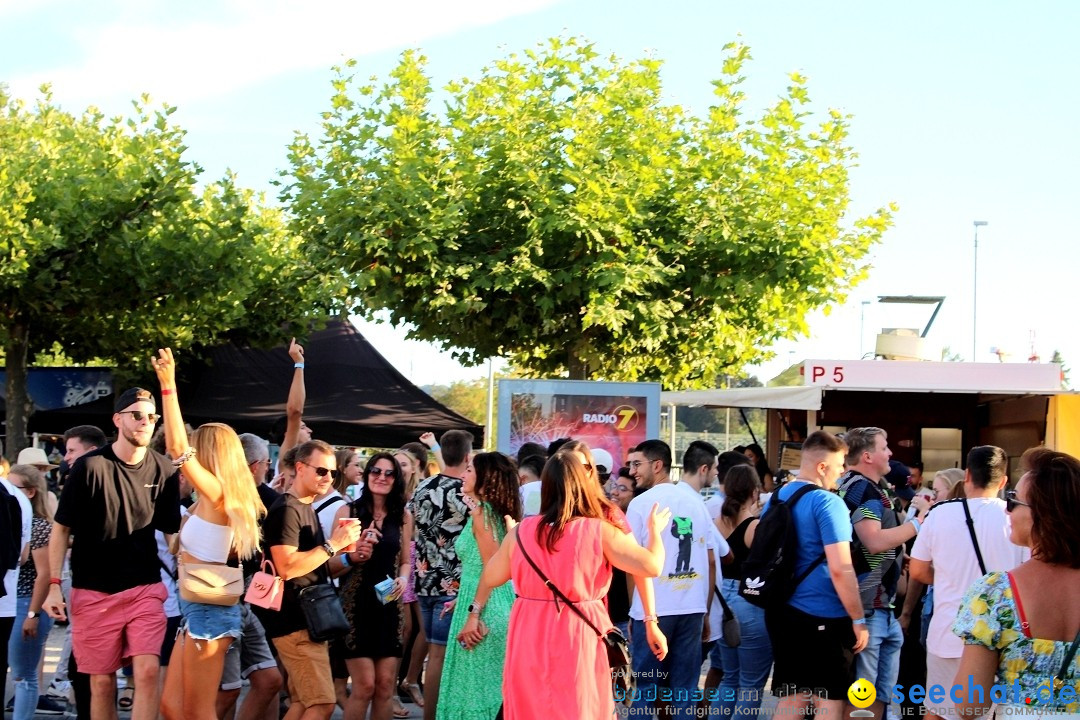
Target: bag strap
[(555, 590), (975, 540), (795, 497), (1069, 655), (723, 604), (327, 503)]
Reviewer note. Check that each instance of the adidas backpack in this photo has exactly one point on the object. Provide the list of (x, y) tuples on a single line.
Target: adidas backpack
[(769, 570)]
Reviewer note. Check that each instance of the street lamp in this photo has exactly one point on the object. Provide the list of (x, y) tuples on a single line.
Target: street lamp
[(862, 327), (975, 291)]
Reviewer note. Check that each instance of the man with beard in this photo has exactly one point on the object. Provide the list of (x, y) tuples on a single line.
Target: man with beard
[(114, 500)]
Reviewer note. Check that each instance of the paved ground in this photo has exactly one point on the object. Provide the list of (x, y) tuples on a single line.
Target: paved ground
[(56, 638)]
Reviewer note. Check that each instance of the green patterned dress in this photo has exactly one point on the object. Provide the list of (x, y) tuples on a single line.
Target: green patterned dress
[(471, 686)]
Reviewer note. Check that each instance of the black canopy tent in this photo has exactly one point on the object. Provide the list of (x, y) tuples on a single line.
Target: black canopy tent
[(354, 396)]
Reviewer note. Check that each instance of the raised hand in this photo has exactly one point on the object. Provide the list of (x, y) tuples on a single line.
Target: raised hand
[(296, 351), (165, 368)]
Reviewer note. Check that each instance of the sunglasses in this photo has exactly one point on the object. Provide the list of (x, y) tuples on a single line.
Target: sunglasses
[(321, 471), (139, 415), (377, 472), (1011, 503)]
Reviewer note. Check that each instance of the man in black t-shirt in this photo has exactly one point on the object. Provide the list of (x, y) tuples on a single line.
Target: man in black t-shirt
[(300, 554), (114, 500)]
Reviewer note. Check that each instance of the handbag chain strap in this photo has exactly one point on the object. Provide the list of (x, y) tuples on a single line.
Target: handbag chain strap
[(723, 604), (555, 590)]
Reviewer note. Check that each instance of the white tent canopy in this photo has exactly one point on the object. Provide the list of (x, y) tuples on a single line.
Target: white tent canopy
[(778, 398)]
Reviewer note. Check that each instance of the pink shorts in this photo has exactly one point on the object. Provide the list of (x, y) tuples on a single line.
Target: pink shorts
[(108, 628)]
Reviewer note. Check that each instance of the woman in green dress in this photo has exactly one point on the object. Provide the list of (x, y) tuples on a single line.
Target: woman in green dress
[(471, 687)]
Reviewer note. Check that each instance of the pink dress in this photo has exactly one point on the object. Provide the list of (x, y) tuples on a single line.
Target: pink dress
[(556, 667)]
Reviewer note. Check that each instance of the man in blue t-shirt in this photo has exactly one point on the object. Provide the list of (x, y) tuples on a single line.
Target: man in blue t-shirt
[(815, 636)]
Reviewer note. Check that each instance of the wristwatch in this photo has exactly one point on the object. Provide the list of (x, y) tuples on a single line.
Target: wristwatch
[(329, 549), (475, 609), (30, 614)]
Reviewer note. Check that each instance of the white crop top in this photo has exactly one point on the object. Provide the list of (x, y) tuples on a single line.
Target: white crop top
[(205, 540)]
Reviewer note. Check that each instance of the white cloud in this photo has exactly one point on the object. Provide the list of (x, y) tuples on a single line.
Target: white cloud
[(181, 59)]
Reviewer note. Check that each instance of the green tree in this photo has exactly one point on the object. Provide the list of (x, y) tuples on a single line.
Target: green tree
[(466, 397), (110, 249), (1057, 358), (558, 213)]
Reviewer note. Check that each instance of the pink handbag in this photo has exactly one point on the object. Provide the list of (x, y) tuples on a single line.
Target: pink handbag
[(266, 588)]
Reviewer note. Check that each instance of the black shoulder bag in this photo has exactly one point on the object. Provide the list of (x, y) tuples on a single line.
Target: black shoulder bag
[(618, 651)]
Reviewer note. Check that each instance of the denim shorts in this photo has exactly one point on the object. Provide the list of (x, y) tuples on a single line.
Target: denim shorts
[(436, 628), (210, 622)]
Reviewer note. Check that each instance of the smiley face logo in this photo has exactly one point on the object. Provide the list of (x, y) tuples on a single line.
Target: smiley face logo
[(862, 694)]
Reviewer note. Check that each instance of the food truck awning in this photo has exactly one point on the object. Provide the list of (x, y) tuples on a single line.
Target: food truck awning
[(778, 398)]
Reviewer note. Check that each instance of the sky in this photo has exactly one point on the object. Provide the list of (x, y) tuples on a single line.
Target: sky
[(962, 111)]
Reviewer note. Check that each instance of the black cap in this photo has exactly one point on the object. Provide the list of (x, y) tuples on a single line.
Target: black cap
[(900, 478), (132, 396)]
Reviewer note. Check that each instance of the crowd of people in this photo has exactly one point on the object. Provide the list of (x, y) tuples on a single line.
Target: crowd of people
[(476, 585)]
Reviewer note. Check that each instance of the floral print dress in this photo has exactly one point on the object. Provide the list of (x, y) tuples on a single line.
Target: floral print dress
[(990, 616)]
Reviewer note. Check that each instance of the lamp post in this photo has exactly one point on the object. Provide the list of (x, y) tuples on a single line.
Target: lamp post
[(975, 291), (862, 326)]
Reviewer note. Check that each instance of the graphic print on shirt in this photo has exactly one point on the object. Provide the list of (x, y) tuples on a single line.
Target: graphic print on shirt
[(682, 529)]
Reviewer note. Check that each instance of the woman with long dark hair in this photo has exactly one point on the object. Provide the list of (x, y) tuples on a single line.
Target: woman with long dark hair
[(757, 457), (372, 647), (471, 687), (1021, 629), (556, 667), (746, 667)]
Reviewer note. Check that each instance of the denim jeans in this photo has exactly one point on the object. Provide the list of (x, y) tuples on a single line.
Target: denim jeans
[(679, 672), (880, 661), (23, 656), (747, 667)]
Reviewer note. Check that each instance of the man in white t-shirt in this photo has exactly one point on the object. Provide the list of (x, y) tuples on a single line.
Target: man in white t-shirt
[(944, 555), (682, 590), (11, 577)]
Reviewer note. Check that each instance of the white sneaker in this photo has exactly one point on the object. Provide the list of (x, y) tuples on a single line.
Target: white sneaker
[(60, 690)]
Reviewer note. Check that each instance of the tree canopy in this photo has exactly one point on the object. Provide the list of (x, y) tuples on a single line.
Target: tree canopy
[(556, 211), (110, 248)]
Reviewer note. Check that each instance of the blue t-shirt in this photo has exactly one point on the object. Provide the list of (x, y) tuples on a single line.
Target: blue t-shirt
[(821, 519)]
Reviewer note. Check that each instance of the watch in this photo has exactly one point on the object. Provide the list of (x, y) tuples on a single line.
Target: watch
[(329, 549), (30, 614), (475, 609)]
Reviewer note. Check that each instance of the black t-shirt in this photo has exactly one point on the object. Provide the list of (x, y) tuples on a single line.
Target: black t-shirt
[(113, 510), (269, 496), (291, 522)]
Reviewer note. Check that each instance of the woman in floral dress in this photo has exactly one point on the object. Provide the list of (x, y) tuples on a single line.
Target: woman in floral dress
[(1021, 629)]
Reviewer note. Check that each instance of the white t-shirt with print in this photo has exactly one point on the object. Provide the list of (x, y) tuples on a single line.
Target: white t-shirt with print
[(530, 498), (945, 542), (11, 578), (720, 548), (681, 588)]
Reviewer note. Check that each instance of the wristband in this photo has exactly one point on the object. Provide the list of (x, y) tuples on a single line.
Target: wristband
[(650, 618), (345, 560), (860, 621), (55, 581), (917, 524), (436, 447), (298, 365), (168, 391)]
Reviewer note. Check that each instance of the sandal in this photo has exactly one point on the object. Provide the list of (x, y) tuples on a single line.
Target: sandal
[(413, 691), (126, 698), (399, 709)]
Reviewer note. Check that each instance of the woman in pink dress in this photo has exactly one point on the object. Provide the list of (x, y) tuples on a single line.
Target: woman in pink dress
[(556, 666)]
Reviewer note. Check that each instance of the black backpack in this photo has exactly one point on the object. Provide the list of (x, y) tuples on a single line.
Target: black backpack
[(769, 570), (10, 533)]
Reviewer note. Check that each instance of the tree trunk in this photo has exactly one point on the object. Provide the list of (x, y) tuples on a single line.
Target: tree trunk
[(576, 367), (18, 402)]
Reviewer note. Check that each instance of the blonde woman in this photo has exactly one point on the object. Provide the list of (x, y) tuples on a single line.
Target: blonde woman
[(945, 482), (223, 522)]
